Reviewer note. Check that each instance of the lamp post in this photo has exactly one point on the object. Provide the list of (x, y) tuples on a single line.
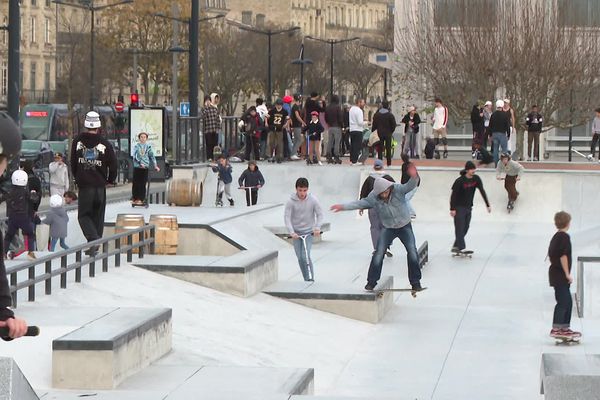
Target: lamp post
[(331, 43), (302, 61), (14, 58), (269, 33), (90, 7)]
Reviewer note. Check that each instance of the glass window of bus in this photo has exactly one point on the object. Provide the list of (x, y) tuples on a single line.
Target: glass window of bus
[(35, 122)]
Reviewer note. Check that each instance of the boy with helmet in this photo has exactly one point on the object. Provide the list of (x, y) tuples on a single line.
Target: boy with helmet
[(94, 165), (10, 146), (18, 204), (58, 220), (510, 171)]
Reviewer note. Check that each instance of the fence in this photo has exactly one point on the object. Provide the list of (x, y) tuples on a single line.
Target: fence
[(579, 295), (189, 141), (65, 266)]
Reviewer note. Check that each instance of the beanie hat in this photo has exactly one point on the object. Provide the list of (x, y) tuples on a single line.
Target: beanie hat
[(381, 185)]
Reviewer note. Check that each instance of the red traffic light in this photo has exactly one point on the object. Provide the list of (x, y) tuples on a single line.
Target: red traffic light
[(134, 100)]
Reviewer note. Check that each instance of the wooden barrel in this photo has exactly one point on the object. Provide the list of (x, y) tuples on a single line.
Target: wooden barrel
[(166, 234), (128, 222), (184, 192)]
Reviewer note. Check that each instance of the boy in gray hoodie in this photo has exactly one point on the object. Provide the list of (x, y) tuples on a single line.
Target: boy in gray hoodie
[(303, 218), (389, 199), (58, 220)]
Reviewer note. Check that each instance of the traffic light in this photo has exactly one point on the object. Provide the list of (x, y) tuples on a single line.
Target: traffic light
[(134, 100)]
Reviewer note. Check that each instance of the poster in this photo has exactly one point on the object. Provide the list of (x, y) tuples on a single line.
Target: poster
[(151, 122)]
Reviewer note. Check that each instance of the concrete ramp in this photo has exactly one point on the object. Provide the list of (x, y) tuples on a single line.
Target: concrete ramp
[(14, 385)]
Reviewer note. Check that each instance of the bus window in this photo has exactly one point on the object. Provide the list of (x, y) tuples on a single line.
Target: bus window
[(35, 122)]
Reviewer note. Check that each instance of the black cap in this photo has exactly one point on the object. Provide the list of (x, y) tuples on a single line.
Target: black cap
[(279, 102), (470, 165)]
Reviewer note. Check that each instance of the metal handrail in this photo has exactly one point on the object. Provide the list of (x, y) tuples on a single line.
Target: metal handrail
[(65, 267), (579, 294)]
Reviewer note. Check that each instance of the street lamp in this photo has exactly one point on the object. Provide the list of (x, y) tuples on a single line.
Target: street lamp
[(331, 43), (90, 7), (268, 33), (302, 61), (385, 82)]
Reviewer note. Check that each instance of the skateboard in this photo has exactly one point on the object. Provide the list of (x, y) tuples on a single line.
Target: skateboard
[(589, 157), (566, 340), (381, 292), (463, 253)]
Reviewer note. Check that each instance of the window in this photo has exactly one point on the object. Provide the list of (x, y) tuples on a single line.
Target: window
[(579, 13), (47, 30), (33, 30), (48, 3), (464, 13), (4, 32), (33, 2), (260, 20), (4, 79), (32, 74), (247, 17), (47, 77)]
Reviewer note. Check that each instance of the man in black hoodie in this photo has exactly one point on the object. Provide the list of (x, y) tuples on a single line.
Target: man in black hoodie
[(94, 165), (384, 123)]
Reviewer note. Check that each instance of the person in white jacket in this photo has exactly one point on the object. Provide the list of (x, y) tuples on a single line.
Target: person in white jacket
[(357, 125), (440, 133), (59, 176)]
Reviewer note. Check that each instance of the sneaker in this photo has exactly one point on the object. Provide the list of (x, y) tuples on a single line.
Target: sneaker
[(413, 216), (437, 155), (535, 159), (320, 163), (92, 251), (416, 287), (369, 287), (455, 249), (231, 202), (445, 154), (389, 254), (555, 332), (10, 254), (354, 164), (31, 255), (294, 157), (570, 333)]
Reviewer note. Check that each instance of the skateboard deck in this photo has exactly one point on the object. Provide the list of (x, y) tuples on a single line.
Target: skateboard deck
[(464, 253), (566, 340), (380, 292)]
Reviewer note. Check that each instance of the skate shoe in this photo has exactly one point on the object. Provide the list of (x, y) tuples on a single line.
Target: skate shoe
[(389, 254), (416, 287), (570, 333), (320, 163), (445, 154), (92, 251), (437, 155), (308, 162), (231, 203), (455, 249), (31, 255), (10, 254), (555, 332), (369, 287)]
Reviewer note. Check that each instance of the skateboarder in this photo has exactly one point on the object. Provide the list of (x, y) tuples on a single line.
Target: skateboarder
[(303, 218), (560, 277), (389, 199), (143, 160), (510, 171), (461, 203)]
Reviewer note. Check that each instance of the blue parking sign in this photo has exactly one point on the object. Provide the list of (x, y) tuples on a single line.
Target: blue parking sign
[(184, 109)]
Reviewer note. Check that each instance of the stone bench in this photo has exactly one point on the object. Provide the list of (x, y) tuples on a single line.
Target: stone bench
[(349, 300), (102, 353), (13, 384), (242, 274), (570, 376), (282, 232)]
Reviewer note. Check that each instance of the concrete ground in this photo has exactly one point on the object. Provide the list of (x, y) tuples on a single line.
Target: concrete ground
[(478, 332)]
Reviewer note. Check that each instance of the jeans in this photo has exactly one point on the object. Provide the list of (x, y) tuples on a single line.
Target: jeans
[(411, 144), (499, 140), (335, 141), (408, 197), (595, 140), (564, 305), (533, 138), (140, 179), (251, 148), (386, 145), (462, 220), (303, 255), (92, 205), (298, 140), (407, 237), (62, 243), (356, 138), (263, 146), (325, 141), (211, 139), (251, 197)]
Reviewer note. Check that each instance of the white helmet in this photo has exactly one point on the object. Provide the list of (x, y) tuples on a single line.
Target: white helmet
[(500, 104), (92, 120), (56, 200), (19, 178)]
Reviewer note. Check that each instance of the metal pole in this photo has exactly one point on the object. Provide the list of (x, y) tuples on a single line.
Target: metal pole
[(331, 72), (385, 84), (174, 89), (571, 126), (193, 59), (92, 71), (135, 69), (269, 82), (14, 58)]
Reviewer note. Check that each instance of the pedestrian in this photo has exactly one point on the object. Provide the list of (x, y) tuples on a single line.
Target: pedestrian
[(211, 126), (69, 197), (313, 131), (34, 187), (346, 130), (461, 203), (278, 119), (251, 180), (263, 113), (440, 131), (303, 219), (58, 220), (510, 171), (595, 134), (560, 277), (223, 170), (287, 138), (384, 123), (412, 140), (389, 199), (313, 103), (487, 114), (334, 119), (297, 125), (93, 165), (356, 128), (365, 190), (478, 125), (534, 122), (215, 100), (18, 210), (513, 142), (500, 130), (252, 129), (59, 175), (143, 160), (10, 147)]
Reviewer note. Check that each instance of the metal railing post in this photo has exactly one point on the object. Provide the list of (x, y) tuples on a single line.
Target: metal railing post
[(153, 237), (78, 269), (63, 276), (141, 240), (579, 295), (118, 254), (48, 281), (105, 255), (13, 283), (129, 249), (31, 289)]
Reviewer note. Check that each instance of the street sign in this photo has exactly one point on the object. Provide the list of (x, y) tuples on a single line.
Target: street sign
[(119, 107), (184, 109), (383, 60)]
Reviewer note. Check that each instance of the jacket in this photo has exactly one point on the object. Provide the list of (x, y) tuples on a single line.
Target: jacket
[(303, 216), (477, 119), (224, 173), (251, 178), (253, 126), (440, 117), (513, 168), (93, 161), (58, 220), (534, 122), (367, 186), (313, 129), (211, 120), (384, 123), (59, 174), (499, 122), (17, 201), (143, 156), (393, 213), (356, 119), (333, 115), (416, 121)]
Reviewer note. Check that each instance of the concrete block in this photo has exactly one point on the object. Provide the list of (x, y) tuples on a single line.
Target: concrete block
[(570, 376), (13, 384), (350, 302), (101, 354)]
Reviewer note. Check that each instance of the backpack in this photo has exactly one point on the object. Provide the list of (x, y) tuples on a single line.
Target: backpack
[(429, 148)]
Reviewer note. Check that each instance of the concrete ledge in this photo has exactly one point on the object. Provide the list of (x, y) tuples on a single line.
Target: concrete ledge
[(282, 232), (570, 376), (101, 354), (242, 274), (13, 384), (346, 301)]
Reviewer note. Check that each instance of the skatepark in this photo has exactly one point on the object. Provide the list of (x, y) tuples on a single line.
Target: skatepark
[(244, 325)]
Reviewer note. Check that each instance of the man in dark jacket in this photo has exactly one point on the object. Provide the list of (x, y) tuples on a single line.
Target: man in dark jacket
[(252, 128), (384, 123), (477, 122), (334, 119), (93, 165), (500, 130), (534, 129)]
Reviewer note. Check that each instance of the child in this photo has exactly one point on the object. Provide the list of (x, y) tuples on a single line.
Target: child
[(143, 158), (18, 206), (58, 219), (313, 132), (70, 197), (481, 154), (223, 168), (512, 172), (251, 180), (560, 277)]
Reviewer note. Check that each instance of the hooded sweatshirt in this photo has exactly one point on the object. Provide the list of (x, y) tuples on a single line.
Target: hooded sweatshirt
[(384, 123), (224, 172), (93, 161), (58, 220), (303, 216), (59, 174), (393, 212), (596, 125), (251, 178)]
